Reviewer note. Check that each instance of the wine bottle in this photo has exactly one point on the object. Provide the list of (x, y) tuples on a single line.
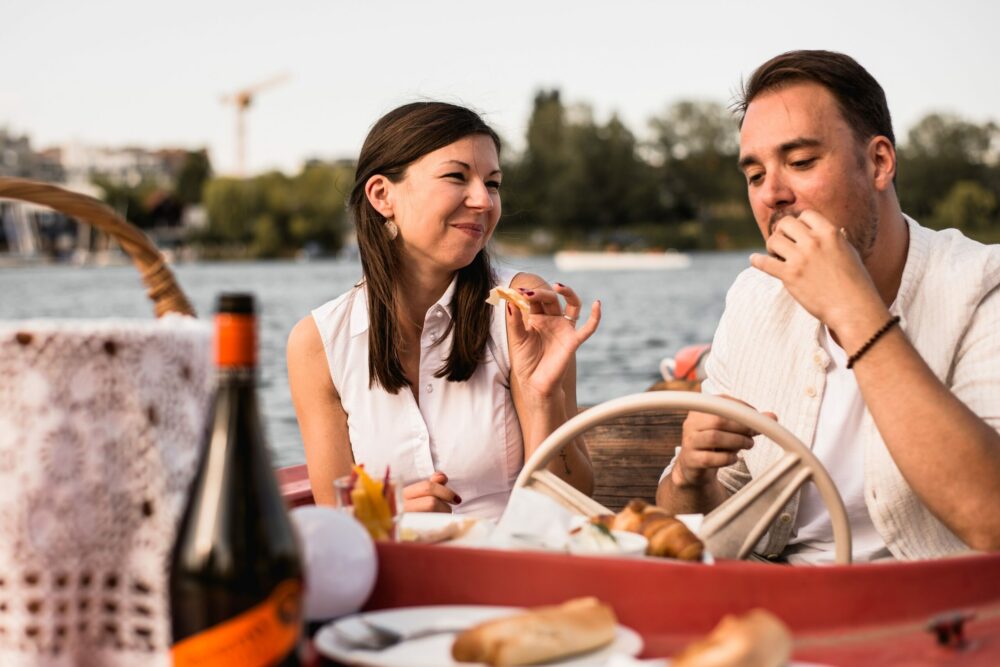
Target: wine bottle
[(235, 571)]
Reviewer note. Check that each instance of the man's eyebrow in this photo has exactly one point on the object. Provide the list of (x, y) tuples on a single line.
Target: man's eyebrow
[(468, 167), (787, 147)]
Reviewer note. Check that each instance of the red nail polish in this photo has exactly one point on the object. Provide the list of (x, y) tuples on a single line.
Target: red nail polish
[(509, 311), (458, 500), (530, 293), (560, 285)]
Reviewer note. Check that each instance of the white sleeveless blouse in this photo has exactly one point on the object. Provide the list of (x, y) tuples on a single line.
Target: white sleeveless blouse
[(467, 430)]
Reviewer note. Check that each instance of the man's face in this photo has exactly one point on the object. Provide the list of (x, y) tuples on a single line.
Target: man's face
[(797, 152)]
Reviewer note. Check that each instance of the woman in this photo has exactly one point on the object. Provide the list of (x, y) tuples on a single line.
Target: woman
[(411, 368)]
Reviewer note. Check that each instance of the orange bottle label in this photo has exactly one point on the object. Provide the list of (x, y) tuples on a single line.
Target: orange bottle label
[(262, 635), (235, 340)]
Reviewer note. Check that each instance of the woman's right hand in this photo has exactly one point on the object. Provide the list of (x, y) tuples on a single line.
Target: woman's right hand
[(430, 495)]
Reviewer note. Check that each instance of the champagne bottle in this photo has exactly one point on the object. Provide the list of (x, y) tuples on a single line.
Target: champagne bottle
[(235, 571)]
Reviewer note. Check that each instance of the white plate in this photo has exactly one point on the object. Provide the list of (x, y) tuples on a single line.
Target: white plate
[(435, 651), (477, 534)]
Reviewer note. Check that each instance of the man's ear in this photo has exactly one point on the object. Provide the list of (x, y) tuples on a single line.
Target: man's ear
[(378, 189), (882, 161)]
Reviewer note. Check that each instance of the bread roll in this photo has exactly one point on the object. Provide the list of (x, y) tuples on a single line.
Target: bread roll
[(756, 639), (539, 635)]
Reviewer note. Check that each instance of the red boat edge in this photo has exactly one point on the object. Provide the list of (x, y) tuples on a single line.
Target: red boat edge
[(942, 612)]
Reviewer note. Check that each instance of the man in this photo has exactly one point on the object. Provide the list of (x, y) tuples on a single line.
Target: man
[(872, 339)]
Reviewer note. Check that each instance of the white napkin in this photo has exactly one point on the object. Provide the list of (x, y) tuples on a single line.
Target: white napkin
[(533, 520)]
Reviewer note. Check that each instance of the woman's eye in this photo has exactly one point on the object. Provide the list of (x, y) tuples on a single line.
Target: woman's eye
[(456, 175), (493, 185)]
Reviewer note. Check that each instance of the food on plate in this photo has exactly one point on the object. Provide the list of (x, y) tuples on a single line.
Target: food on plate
[(756, 639), (373, 503), (538, 635), (450, 531), (515, 297), (668, 537), (593, 538)]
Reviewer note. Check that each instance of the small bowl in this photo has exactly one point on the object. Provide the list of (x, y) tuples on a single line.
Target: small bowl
[(631, 544), (625, 544)]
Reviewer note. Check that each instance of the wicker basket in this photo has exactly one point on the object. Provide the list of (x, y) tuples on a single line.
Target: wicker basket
[(99, 425)]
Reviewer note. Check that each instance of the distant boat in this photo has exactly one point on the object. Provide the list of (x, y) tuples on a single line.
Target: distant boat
[(573, 260)]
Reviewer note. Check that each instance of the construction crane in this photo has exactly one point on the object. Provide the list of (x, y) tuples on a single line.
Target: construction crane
[(242, 99)]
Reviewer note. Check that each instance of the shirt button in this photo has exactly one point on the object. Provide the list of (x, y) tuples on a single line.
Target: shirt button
[(810, 391), (434, 336), (429, 388), (818, 358), (423, 436), (785, 518)]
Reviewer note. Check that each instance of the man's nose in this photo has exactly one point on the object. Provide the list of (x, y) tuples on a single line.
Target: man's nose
[(776, 192)]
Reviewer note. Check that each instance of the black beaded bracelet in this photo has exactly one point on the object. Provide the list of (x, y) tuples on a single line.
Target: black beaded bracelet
[(893, 321)]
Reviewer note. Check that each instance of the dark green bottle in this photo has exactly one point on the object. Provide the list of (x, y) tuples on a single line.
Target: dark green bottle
[(235, 572)]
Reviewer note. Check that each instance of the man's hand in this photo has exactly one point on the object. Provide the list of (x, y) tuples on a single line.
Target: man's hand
[(710, 442), (824, 274)]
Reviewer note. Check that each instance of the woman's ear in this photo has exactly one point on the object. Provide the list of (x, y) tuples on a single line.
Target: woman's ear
[(882, 156), (378, 189)]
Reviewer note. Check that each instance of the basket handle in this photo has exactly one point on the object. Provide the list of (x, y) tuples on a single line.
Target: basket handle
[(161, 286)]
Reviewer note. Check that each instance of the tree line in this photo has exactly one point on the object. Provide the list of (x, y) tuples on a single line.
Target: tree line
[(582, 182)]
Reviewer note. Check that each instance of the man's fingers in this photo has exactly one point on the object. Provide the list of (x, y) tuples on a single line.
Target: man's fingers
[(702, 421), (772, 266), (781, 246), (709, 459), (719, 440)]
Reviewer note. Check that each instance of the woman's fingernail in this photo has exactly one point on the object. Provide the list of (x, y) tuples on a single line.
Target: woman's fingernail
[(458, 500), (521, 289), (509, 310), (560, 285), (530, 293)]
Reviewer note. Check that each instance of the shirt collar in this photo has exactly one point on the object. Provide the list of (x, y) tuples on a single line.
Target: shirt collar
[(359, 309)]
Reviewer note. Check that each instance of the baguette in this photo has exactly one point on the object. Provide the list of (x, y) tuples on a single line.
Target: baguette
[(539, 635), (515, 297), (756, 639)]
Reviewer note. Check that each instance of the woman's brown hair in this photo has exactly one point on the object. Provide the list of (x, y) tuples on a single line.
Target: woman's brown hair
[(398, 139)]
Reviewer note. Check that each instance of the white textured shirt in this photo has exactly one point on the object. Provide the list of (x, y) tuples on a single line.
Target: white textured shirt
[(467, 430), (767, 352)]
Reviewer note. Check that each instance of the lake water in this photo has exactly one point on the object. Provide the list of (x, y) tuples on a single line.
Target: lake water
[(646, 314)]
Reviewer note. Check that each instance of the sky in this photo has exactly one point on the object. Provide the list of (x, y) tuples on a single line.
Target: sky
[(152, 73)]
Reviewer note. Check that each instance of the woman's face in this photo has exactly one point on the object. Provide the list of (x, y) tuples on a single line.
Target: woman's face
[(448, 203)]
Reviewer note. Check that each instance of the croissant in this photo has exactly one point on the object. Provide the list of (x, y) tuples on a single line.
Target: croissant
[(756, 639), (668, 537)]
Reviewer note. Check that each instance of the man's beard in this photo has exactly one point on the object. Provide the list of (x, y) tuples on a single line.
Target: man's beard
[(861, 236)]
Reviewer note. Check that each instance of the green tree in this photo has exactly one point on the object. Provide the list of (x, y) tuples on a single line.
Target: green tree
[(695, 145), (968, 206), (940, 151), (193, 175), (537, 186)]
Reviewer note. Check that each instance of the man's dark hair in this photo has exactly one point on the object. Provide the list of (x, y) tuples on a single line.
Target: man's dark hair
[(859, 96)]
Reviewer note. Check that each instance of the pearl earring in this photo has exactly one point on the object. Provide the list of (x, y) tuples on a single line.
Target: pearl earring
[(391, 229)]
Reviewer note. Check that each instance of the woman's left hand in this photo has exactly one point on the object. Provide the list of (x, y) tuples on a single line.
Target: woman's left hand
[(543, 343)]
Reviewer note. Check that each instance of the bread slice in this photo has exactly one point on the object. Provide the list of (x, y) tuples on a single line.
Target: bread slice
[(539, 635), (515, 297), (756, 639)]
